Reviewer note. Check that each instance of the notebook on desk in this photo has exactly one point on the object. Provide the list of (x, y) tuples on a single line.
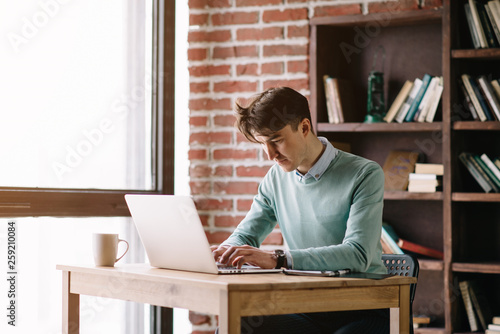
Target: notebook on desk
[(172, 235)]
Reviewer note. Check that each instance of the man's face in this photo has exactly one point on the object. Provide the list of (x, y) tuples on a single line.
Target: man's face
[(286, 147)]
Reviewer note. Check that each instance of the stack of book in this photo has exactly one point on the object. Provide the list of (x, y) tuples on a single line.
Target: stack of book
[(494, 326), (485, 171), (339, 99), (428, 178), (482, 97), (393, 244), (417, 101), (476, 305), (484, 23)]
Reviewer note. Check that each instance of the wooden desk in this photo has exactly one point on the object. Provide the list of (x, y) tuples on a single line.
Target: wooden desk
[(233, 296)]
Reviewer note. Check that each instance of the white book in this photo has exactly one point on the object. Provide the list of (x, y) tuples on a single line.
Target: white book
[(477, 24), (400, 117), (431, 113), (490, 96), (495, 11), (428, 168), (419, 176), (496, 87), (423, 107), (473, 97), (494, 169), (489, 11), (398, 101), (330, 104)]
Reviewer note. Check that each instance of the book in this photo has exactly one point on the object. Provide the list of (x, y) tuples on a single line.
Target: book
[(421, 188), (397, 167), (426, 99), (398, 101), (464, 290), (424, 183), (333, 116), (486, 24), (480, 97), (486, 173), (491, 11), (434, 103), (472, 29), (418, 98), (466, 79), (427, 168), (494, 7), (497, 162), (468, 102), (465, 158), (386, 249), (391, 243), (400, 116), (490, 95), (424, 177), (413, 247), (480, 303), (496, 87), (496, 320), (477, 24)]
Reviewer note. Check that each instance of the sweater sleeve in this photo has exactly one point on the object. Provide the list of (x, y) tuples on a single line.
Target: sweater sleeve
[(360, 249), (259, 221)]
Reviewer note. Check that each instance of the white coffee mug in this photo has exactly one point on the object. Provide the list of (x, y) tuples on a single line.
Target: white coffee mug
[(105, 247)]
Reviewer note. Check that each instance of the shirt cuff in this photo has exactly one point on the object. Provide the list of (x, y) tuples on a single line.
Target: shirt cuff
[(289, 260)]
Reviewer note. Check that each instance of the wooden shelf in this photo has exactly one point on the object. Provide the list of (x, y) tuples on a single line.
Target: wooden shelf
[(425, 264), (475, 197), (405, 195), (429, 330), (492, 53), (477, 267), (476, 125), (380, 127)]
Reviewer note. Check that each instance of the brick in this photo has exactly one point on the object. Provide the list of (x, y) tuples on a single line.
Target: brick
[(200, 171), (254, 34), (201, 4), (210, 104), (199, 187), (285, 50), (297, 31), (209, 36), (272, 68), (224, 120), (198, 19), (244, 204), (217, 237), (248, 3), (247, 69), (197, 154), (284, 15), (214, 204), (236, 187), (393, 6), (235, 154), (206, 138), (235, 51), (204, 219), (297, 84), (337, 10), (235, 86), (298, 66), (241, 138), (223, 171), (199, 319), (227, 221), (230, 18), (259, 171), (197, 54), (274, 238), (198, 120), (199, 87), (209, 70)]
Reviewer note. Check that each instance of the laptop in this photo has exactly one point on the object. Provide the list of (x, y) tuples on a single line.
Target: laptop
[(172, 235)]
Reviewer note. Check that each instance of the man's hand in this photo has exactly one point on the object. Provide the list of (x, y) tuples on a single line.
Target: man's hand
[(239, 255)]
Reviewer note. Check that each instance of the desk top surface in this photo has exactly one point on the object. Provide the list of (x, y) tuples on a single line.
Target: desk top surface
[(143, 271)]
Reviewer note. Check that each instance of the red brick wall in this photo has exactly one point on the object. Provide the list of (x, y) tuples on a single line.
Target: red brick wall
[(238, 48)]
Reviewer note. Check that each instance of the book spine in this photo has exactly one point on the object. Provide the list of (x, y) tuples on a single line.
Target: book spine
[(464, 157), (480, 98), (489, 10), (398, 101), (477, 24), (431, 113), (490, 177), (485, 22), (472, 29), (464, 289), (418, 98), (494, 169), (466, 79), (332, 117), (390, 242), (423, 107), (400, 117), (468, 101), (337, 100), (419, 249), (490, 96)]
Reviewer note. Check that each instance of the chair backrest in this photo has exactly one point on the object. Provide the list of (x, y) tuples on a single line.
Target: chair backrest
[(403, 265)]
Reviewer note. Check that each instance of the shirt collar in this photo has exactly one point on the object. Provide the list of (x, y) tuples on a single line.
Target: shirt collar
[(323, 162)]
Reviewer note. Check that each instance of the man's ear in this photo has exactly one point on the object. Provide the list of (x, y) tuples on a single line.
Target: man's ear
[(305, 127)]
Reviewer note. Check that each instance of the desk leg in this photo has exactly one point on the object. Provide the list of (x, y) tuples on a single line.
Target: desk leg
[(229, 313), (400, 317), (71, 307)]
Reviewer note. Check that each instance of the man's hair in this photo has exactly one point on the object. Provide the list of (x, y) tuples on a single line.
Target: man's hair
[(270, 111)]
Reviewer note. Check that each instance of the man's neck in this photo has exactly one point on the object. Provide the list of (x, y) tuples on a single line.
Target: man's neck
[(316, 151)]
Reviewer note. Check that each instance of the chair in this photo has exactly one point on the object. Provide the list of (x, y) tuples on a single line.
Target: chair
[(403, 265)]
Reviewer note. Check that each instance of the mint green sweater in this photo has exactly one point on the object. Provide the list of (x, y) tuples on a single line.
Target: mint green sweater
[(331, 223)]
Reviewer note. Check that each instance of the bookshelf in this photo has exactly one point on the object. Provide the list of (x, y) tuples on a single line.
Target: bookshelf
[(461, 220)]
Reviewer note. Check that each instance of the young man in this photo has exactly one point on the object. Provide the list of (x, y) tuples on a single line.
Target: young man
[(328, 204)]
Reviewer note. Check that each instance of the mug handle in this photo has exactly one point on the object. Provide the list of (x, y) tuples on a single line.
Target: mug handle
[(126, 250)]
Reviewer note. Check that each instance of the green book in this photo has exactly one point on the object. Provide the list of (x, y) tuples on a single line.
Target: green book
[(416, 102)]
